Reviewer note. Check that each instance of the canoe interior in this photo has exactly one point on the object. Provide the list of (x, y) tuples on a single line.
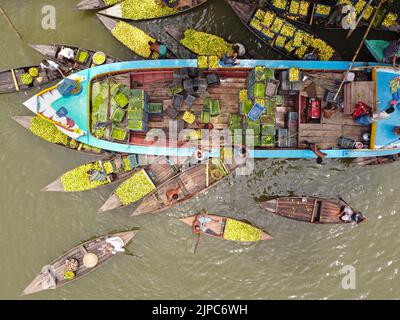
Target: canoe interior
[(26, 121), (91, 5), (190, 183), (96, 246), (307, 209), (247, 10), (325, 132), (7, 84)]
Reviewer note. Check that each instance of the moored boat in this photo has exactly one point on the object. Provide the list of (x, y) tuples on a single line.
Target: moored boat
[(80, 261), (143, 182), (83, 58), (96, 174), (186, 185), (95, 4), (149, 9), (328, 14), (225, 228), (134, 38), (48, 132), (133, 107), (377, 48), (311, 209), (374, 161), (286, 37)]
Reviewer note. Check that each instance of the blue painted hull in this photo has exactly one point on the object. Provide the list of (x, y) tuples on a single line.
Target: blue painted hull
[(78, 109)]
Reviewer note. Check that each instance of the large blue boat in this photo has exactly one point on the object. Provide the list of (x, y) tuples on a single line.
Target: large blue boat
[(133, 107)]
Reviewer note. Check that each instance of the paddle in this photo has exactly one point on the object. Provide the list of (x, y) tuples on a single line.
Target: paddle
[(197, 243), (10, 23), (359, 49), (359, 19)]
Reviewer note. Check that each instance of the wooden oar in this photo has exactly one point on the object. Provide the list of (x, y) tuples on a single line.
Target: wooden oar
[(197, 243), (10, 23), (359, 49), (15, 80), (359, 18)]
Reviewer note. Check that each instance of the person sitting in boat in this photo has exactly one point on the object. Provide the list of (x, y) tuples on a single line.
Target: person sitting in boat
[(348, 215), (172, 195), (97, 175), (367, 119), (66, 53), (204, 224), (392, 52), (314, 148), (239, 50), (52, 66), (161, 49)]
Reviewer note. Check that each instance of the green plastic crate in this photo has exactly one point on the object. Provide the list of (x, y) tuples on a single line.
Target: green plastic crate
[(269, 74), (215, 108), (118, 134), (235, 120), (121, 99), (205, 117), (155, 108), (259, 90), (254, 140), (118, 115), (136, 125), (135, 114), (260, 74), (268, 141), (254, 125), (136, 104), (137, 94), (271, 107), (268, 129), (246, 106)]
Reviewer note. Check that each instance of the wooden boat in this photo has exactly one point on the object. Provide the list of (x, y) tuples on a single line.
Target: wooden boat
[(116, 11), (10, 80), (186, 185), (224, 228), (116, 167), (377, 48), (152, 80), (26, 122), (51, 52), (92, 4), (373, 161), (312, 18), (248, 13), (111, 23), (54, 272), (307, 209), (158, 171)]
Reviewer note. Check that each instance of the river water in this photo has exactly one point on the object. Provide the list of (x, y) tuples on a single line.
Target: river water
[(301, 262)]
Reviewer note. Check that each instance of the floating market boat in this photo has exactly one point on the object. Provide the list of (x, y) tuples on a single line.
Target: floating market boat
[(133, 107), (307, 209), (377, 48), (95, 4), (149, 9), (85, 58), (286, 37), (48, 132), (325, 14), (186, 185), (96, 174), (141, 183), (79, 261), (225, 228), (133, 38)]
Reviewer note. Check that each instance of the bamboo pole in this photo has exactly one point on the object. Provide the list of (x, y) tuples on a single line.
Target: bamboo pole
[(10, 23), (312, 14), (359, 18), (15, 80), (359, 49)]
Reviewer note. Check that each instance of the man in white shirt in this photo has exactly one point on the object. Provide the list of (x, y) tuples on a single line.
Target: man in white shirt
[(52, 66)]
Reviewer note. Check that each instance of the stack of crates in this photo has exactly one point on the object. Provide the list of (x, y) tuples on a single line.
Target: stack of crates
[(293, 129), (268, 137), (138, 111)]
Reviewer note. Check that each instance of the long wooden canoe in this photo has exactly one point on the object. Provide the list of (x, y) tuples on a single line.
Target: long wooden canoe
[(116, 11), (190, 183), (10, 80), (307, 209), (373, 161), (51, 51), (116, 167), (159, 171), (26, 122), (224, 227), (92, 4), (111, 23), (57, 268), (246, 10), (312, 19)]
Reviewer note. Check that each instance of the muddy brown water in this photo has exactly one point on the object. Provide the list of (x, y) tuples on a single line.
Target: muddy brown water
[(301, 262)]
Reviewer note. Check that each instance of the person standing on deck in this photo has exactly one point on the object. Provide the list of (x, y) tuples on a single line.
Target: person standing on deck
[(161, 49), (392, 52)]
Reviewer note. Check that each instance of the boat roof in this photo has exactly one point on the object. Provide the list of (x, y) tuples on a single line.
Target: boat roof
[(78, 105), (383, 135)]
